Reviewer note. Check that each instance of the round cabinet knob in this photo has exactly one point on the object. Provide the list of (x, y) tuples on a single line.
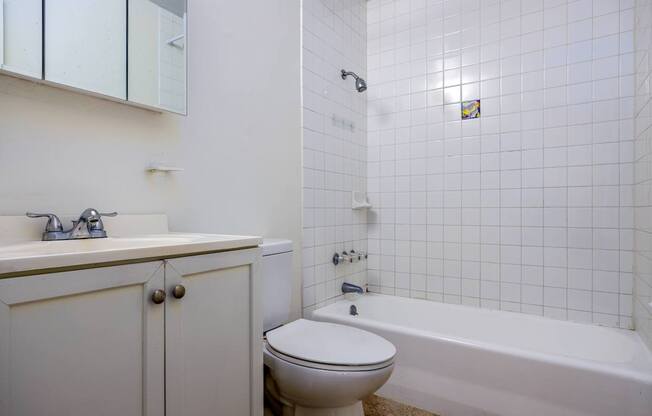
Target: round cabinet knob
[(179, 291), (158, 296)]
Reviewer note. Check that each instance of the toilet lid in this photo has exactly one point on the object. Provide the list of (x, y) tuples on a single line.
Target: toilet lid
[(327, 343)]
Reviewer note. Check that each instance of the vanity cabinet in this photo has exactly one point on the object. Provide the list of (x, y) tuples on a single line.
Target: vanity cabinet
[(99, 342), (209, 361), (82, 342)]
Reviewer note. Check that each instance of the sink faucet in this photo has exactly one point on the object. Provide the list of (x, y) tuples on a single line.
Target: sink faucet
[(89, 225), (351, 288)]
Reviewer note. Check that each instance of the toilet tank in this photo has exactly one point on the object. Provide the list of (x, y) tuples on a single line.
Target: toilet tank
[(277, 282)]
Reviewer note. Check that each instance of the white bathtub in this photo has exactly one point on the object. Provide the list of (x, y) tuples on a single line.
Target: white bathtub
[(457, 360)]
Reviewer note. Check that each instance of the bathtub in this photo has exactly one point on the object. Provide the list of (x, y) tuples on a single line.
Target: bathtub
[(457, 360)]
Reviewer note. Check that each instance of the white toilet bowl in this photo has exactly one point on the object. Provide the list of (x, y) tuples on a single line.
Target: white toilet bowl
[(324, 369), (314, 368)]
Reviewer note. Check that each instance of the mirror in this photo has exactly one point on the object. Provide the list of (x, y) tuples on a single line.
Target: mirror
[(86, 45), (157, 54), (21, 37), (132, 51)]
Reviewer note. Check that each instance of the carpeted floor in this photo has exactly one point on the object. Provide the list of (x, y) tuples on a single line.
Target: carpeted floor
[(379, 406)]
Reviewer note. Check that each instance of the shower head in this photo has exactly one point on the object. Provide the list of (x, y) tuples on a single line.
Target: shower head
[(360, 84)]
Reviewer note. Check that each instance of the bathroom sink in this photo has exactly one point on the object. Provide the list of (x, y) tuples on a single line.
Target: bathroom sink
[(36, 256), (41, 248)]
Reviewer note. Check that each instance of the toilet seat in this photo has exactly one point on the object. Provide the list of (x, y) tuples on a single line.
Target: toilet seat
[(329, 346), (327, 367)]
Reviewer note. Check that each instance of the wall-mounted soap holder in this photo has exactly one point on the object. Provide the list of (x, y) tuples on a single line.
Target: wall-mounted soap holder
[(162, 167), (360, 200)]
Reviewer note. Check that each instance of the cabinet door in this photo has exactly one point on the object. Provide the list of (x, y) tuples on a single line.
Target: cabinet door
[(81, 343), (21, 33), (86, 45), (157, 54), (213, 336)]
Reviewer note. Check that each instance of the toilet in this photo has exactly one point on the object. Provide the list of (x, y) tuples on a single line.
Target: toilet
[(314, 368)]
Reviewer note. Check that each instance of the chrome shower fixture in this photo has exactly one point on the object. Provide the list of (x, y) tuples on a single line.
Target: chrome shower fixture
[(360, 84)]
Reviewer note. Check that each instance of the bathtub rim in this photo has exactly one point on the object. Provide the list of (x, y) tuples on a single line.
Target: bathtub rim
[(622, 370)]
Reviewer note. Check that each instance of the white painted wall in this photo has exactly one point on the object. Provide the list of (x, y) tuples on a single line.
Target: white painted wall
[(240, 146), (242, 139)]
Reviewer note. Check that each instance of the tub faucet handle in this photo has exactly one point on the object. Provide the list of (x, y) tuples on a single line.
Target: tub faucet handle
[(341, 258), (348, 257)]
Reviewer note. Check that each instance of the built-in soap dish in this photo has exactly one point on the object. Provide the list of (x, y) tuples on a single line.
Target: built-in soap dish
[(162, 167), (360, 200)]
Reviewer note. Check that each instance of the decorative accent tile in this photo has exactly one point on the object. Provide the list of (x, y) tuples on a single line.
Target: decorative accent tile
[(470, 109)]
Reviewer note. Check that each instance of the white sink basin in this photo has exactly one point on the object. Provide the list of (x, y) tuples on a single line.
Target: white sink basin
[(43, 248), (42, 255)]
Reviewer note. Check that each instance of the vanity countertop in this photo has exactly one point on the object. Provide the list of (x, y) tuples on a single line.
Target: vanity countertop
[(30, 256), (40, 256)]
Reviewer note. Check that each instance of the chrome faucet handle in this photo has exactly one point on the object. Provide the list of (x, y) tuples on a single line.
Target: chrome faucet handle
[(357, 255), (108, 214), (89, 224), (53, 225), (98, 223), (95, 224), (347, 257), (92, 215), (341, 258)]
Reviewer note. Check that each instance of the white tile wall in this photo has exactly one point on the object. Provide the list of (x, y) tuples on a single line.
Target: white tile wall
[(334, 145), (530, 207), (643, 173)]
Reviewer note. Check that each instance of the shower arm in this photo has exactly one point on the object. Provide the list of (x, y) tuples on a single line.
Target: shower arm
[(347, 73)]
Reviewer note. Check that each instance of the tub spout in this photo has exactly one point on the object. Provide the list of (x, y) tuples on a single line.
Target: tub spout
[(351, 288)]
